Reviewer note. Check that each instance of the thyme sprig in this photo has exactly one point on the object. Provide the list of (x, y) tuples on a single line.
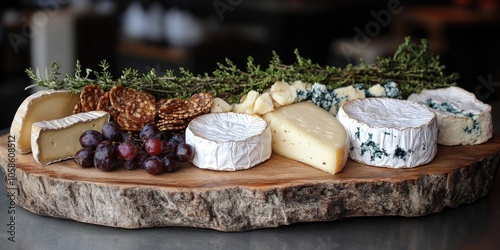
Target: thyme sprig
[(413, 66)]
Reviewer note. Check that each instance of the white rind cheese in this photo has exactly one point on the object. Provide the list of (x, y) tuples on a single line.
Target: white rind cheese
[(40, 106), (390, 133), (462, 118), (307, 133), (229, 141), (56, 140)]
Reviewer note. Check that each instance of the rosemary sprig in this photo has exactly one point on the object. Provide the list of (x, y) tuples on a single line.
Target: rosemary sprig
[(412, 66)]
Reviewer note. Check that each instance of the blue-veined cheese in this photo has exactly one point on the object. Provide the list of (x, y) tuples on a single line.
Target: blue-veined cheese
[(390, 90), (59, 139), (321, 96), (462, 118), (40, 106), (343, 95), (229, 141), (307, 133), (390, 133)]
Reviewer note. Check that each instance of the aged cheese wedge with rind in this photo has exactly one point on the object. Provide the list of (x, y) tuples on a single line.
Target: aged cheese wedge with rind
[(309, 134), (57, 140), (229, 141), (390, 133), (462, 118), (40, 106)]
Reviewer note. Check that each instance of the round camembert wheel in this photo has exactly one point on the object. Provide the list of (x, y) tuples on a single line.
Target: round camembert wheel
[(390, 133), (229, 141)]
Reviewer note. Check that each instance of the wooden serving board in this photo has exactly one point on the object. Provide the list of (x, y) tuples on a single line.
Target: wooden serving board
[(278, 192)]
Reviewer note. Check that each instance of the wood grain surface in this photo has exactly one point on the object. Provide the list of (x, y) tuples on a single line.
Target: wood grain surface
[(277, 192)]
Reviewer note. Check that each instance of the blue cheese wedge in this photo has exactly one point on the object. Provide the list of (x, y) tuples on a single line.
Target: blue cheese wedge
[(56, 140), (40, 106), (307, 133), (462, 118), (390, 133), (229, 141)]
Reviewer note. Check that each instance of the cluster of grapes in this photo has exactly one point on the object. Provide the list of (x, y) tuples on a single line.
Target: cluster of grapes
[(150, 149)]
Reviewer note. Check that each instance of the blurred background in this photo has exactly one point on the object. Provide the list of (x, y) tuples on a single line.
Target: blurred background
[(195, 34)]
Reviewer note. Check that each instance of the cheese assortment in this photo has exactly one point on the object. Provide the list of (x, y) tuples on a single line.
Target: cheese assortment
[(305, 122), (390, 133), (229, 141), (462, 118), (40, 106), (307, 133), (57, 140)]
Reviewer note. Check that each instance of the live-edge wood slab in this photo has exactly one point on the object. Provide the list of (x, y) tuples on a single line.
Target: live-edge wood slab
[(278, 192)]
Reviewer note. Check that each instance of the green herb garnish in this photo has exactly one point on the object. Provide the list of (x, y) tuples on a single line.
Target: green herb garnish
[(413, 67)]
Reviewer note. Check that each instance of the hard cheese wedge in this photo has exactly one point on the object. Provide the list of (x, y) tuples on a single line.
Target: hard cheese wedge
[(309, 134), (40, 106), (59, 139)]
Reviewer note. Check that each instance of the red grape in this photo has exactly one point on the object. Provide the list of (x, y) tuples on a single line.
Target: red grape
[(112, 132), (90, 138), (127, 150), (149, 130), (153, 165), (141, 157), (130, 164), (170, 162), (153, 146), (184, 152), (181, 138), (167, 147), (105, 156), (85, 157), (175, 140)]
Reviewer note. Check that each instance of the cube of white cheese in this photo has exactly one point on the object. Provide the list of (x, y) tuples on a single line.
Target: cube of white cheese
[(309, 134), (59, 139), (247, 103), (220, 105), (263, 104), (40, 106), (282, 93)]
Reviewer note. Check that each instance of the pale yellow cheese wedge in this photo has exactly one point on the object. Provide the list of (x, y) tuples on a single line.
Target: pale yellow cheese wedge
[(309, 134), (40, 106)]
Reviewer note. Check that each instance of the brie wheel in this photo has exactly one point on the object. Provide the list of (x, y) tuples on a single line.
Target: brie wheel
[(229, 141), (462, 118), (390, 133)]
